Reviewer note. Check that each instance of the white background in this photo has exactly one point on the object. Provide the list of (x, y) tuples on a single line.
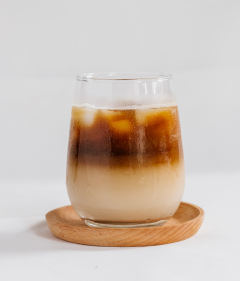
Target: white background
[(43, 46)]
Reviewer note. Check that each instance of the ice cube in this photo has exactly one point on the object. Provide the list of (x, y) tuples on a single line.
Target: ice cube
[(111, 115), (88, 117), (121, 126)]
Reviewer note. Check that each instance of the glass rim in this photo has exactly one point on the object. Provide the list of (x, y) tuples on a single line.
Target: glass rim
[(123, 76)]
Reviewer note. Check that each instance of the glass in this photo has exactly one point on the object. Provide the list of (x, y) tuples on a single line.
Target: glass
[(125, 164)]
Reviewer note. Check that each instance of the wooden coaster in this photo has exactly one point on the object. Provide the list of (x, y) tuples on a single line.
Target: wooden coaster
[(65, 224)]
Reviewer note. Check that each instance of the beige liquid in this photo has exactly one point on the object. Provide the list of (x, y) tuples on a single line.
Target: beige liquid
[(125, 165)]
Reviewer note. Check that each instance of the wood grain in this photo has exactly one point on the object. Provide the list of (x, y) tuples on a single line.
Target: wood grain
[(65, 224)]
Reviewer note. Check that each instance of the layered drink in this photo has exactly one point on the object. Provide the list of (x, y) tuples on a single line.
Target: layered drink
[(125, 165)]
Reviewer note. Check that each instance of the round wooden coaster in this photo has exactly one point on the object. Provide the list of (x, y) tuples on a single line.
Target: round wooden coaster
[(65, 224)]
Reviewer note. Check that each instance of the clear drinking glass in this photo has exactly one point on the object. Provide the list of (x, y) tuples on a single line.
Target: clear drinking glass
[(125, 164)]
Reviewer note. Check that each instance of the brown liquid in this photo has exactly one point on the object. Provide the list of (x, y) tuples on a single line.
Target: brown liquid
[(125, 165)]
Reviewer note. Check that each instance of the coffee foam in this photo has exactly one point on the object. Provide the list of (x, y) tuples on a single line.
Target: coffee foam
[(128, 107)]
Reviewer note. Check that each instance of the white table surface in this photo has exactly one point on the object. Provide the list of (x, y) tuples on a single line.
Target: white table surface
[(28, 251)]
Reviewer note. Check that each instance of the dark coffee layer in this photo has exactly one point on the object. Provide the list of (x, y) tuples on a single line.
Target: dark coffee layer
[(125, 137)]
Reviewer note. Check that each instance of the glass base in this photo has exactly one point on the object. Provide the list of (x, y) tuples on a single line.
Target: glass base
[(124, 225)]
